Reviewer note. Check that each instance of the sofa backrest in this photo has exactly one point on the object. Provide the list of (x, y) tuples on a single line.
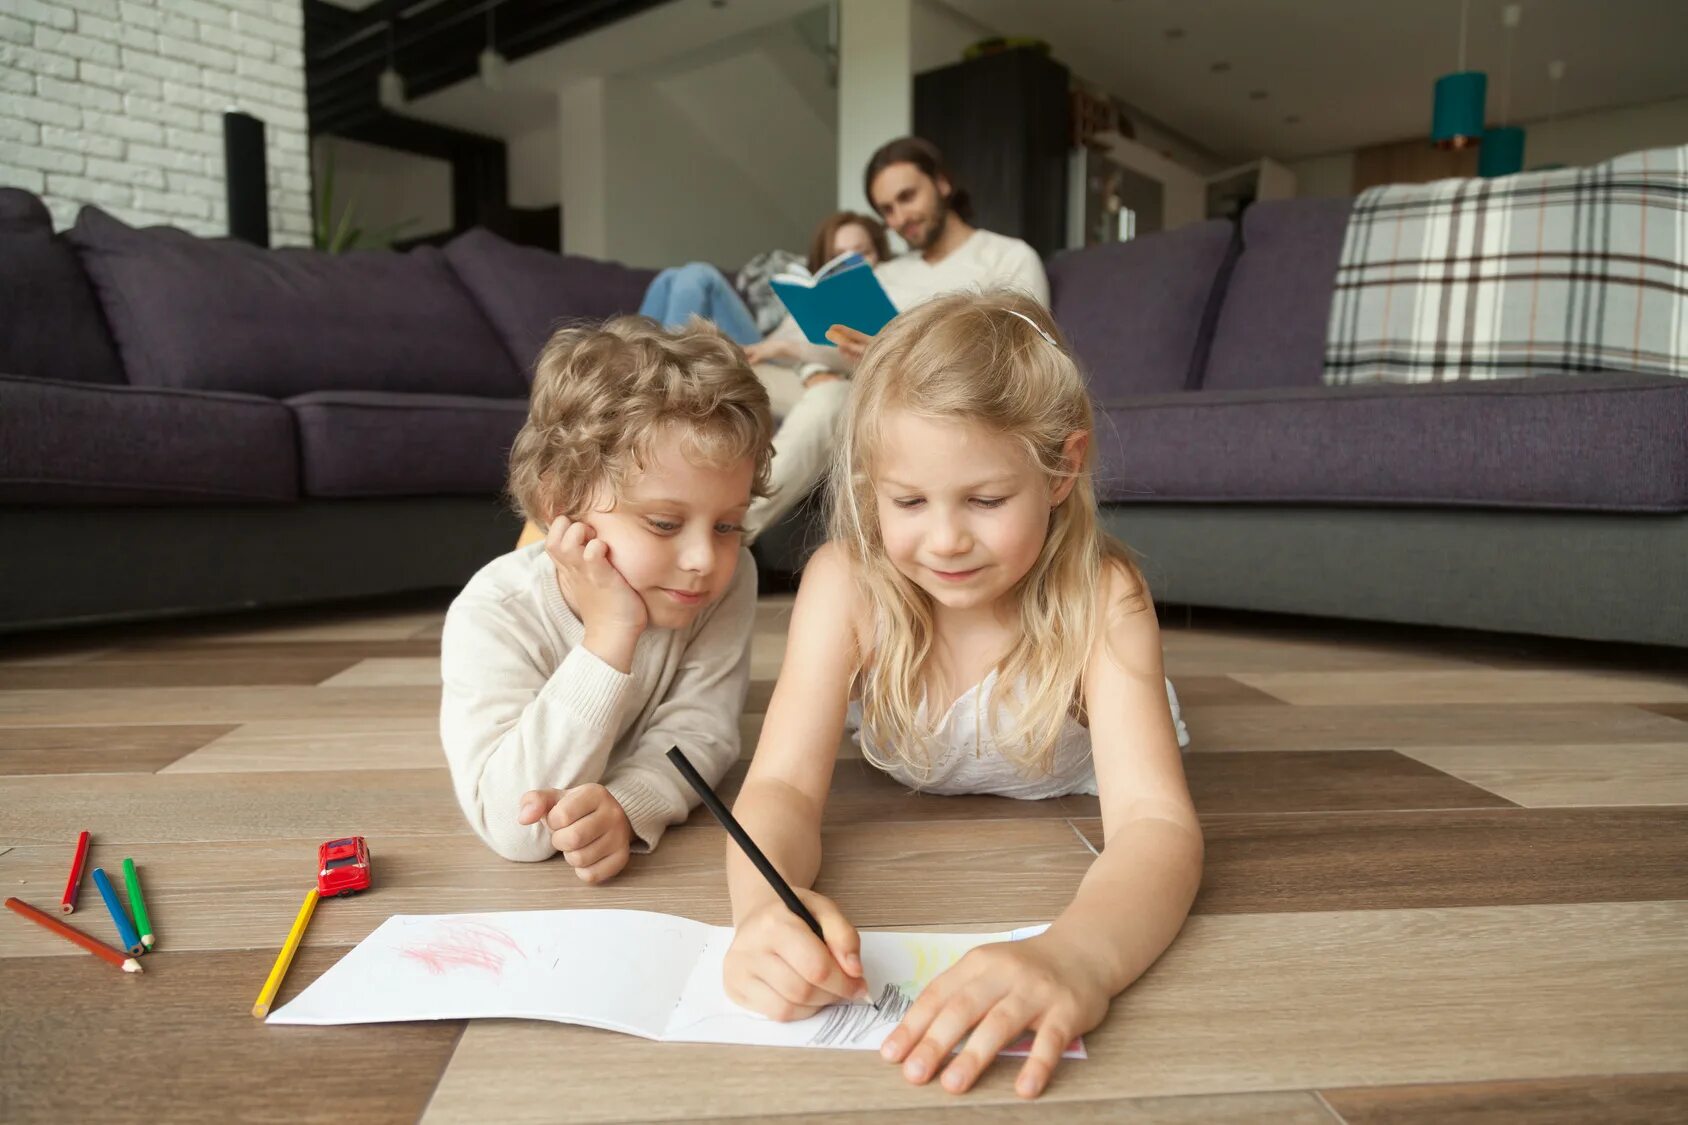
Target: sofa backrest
[(1271, 326), (527, 293), (218, 314), (1135, 312), (51, 326)]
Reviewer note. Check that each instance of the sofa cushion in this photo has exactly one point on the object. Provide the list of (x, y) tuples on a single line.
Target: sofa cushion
[(86, 443), (1604, 442), (1271, 327), (50, 324), (371, 443), (1133, 311), (1571, 270), (218, 314), (527, 292)]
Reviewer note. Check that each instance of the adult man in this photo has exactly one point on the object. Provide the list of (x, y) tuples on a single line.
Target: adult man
[(910, 189)]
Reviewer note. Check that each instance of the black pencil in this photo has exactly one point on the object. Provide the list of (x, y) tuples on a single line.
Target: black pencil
[(737, 832), (739, 835)]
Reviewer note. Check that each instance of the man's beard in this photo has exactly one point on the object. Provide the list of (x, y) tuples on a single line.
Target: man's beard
[(934, 228)]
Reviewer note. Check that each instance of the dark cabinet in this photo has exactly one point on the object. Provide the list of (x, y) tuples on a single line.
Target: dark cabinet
[(1002, 123)]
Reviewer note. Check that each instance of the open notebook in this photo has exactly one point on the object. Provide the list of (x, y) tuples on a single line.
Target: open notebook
[(844, 291), (653, 975)]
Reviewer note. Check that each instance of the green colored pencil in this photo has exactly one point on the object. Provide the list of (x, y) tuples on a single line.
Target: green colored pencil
[(137, 904)]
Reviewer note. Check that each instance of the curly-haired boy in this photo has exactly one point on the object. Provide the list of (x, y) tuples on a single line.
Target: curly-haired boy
[(571, 666)]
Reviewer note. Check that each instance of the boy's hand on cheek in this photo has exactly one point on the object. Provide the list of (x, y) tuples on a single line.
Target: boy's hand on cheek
[(591, 829), (611, 610), (985, 1001)]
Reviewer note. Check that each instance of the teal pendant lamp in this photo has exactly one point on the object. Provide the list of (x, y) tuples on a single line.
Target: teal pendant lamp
[(1503, 146), (1457, 118), (1503, 151), (1457, 121)]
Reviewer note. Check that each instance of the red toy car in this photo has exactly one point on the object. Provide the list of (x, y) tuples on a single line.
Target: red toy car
[(343, 867)]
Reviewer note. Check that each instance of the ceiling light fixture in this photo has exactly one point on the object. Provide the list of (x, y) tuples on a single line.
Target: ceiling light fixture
[(1503, 145), (489, 62), (389, 87), (1456, 119)]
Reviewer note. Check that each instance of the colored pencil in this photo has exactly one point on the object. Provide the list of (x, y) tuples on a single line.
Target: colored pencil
[(143, 921), (68, 903), (285, 958), (742, 838), (103, 952), (125, 929)]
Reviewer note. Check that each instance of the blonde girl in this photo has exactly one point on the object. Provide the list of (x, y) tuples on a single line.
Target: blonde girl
[(988, 637)]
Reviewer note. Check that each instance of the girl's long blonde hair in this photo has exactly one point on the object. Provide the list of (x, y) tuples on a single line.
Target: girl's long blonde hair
[(973, 358)]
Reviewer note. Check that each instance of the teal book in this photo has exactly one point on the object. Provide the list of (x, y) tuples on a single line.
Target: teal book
[(845, 291)]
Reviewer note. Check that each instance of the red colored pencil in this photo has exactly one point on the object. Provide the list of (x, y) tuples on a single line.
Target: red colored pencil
[(71, 888), (103, 952)]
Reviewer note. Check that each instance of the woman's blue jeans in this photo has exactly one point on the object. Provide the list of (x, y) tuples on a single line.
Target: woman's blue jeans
[(697, 288)]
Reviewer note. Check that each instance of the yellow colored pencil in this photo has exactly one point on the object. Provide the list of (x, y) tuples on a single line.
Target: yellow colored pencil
[(285, 958)]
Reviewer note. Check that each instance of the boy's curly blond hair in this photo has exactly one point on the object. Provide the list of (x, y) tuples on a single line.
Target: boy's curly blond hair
[(603, 395)]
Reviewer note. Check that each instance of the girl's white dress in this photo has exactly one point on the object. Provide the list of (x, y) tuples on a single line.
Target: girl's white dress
[(966, 758)]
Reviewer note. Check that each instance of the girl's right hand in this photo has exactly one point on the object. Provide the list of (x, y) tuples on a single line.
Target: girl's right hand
[(778, 967)]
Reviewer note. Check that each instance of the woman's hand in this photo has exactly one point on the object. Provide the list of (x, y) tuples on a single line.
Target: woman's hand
[(778, 967), (997, 992), (849, 341), (775, 349)]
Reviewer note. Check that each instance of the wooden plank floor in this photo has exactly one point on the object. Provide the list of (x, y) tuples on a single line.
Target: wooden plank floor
[(1447, 881)]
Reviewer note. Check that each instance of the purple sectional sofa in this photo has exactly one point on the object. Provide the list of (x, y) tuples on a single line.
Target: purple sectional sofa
[(190, 425), (1554, 504)]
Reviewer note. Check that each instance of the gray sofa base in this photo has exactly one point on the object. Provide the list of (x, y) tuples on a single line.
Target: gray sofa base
[(1592, 576), (75, 565)]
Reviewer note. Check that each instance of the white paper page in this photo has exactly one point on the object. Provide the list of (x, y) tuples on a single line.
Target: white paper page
[(897, 965), (617, 969), (642, 973)]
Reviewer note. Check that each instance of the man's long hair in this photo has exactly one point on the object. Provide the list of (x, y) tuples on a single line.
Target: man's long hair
[(923, 154)]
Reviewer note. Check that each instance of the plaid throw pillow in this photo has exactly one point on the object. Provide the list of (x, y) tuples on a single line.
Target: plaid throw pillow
[(1572, 270)]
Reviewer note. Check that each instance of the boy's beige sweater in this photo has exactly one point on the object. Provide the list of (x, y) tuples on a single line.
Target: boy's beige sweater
[(527, 706)]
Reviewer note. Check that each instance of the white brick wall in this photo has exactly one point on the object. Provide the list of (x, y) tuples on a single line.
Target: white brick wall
[(120, 103)]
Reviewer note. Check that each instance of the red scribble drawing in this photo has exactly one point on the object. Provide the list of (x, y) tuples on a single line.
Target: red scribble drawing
[(472, 945)]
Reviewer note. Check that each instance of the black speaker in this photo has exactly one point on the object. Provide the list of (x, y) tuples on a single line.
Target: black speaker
[(243, 163)]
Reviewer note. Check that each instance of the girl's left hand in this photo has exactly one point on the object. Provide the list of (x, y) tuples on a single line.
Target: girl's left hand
[(997, 992)]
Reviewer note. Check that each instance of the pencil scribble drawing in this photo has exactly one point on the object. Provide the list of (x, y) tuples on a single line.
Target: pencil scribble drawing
[(848, 1023), (474, 945)]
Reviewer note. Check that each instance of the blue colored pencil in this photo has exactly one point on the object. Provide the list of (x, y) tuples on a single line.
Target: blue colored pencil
[(125, 929)]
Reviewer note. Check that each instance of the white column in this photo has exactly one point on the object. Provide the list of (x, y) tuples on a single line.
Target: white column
[(584, 154), (875, 89)]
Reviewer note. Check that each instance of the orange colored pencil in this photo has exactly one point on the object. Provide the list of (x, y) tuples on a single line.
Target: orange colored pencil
[(75, 885), (103, 952)]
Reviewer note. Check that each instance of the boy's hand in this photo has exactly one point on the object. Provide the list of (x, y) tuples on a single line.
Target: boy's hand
[(587, 825), (778, 967), (997, 992), (611, 610), (849, 341)]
